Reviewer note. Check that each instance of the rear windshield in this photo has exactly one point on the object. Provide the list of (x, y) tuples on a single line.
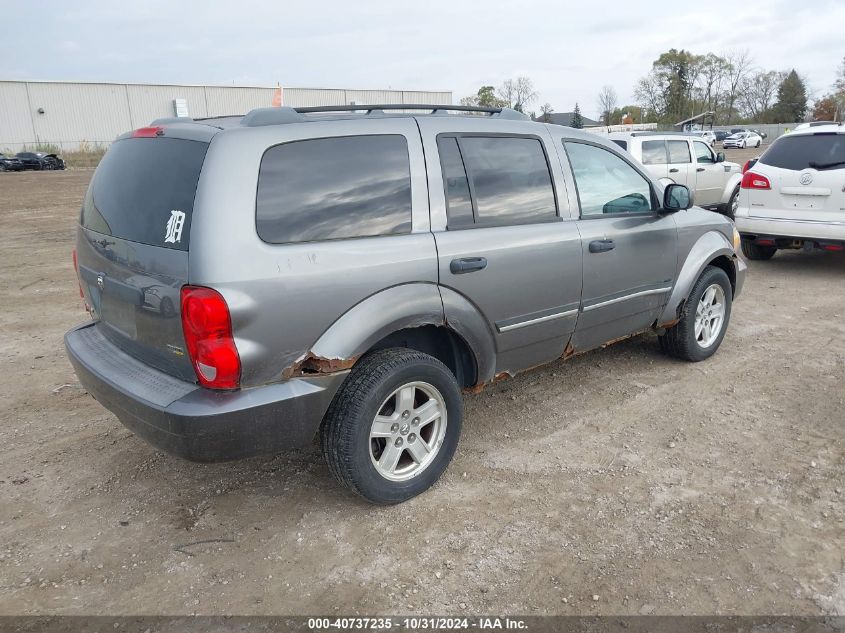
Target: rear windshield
[(799, 151), (144, 190)]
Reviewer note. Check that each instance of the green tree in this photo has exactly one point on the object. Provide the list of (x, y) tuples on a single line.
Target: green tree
[(669, 89), (577, 120), (791, 104), (485, 97)]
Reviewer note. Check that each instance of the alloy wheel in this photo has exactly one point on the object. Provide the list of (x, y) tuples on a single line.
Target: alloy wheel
[(710, 316), (408, 431)]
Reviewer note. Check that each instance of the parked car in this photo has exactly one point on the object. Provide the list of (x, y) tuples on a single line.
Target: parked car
[(40, 161), (792, 197), (721, 135), (10, 163), (686, 160), (762, 135), (707, 135), (322, 294), (741, 140)]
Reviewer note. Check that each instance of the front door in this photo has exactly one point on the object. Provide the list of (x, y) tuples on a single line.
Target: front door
[(630, 249), (709, 175)]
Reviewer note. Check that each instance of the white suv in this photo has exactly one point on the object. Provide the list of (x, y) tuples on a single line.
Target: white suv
[(794, 196), (686, 159)]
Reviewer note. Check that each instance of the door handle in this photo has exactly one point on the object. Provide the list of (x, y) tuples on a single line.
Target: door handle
[(601, 246), (467, 265), (673, 171), (700, 169)]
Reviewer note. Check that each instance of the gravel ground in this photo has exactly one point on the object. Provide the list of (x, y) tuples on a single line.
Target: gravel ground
[(619, 482)]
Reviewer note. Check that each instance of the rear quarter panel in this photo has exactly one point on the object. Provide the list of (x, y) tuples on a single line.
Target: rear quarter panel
[(284, 297)]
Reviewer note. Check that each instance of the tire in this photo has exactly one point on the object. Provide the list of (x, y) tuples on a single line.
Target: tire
[(757, 252), (373, 390), (758, 143), (730, 207), (684, 341)]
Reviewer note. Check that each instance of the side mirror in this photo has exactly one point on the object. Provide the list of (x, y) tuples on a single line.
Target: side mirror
[(676, 198), (720, 157)]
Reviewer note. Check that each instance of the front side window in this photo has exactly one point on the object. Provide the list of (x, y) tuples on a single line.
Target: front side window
[(606, 183), (679, 152), (703, 153), (334, 188), (654, 152)]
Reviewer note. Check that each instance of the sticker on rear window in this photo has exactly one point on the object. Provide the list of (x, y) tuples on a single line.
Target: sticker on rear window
[(173, 231)]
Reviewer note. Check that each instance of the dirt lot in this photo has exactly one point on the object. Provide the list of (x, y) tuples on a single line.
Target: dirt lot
[(618, 482)]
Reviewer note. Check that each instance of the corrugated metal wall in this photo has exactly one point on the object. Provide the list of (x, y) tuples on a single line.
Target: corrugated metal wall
[(69, 114)]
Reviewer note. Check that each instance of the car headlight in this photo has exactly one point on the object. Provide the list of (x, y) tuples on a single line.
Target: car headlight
[(736, 239)]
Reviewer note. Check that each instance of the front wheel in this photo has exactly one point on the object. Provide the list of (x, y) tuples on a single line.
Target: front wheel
[(393, 427), (733, 204), (704, 319)]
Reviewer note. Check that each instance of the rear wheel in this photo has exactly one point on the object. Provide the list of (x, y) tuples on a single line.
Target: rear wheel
[(704, 319), (393, 426), (757, 252)]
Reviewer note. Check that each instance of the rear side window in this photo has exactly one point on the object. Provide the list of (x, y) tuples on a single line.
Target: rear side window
[(456, 184), (654, 152), (510, 180), (144, 191), (821, 151), (334, 188), (679, 152)]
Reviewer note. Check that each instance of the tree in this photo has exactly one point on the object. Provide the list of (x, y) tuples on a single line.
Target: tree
[(825, 109), (545, 112), (607, 104), (577, 120), (758, 94), (517, 93), (791, 104), (485, 97), (737, 68)]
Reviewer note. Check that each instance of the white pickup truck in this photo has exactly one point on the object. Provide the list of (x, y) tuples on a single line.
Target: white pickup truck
[(687, 160)]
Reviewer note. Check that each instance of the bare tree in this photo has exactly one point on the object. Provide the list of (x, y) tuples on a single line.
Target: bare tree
[(607, 103), (649, 95), (518, 93), (759, 91), (738, 67), (545, 112)]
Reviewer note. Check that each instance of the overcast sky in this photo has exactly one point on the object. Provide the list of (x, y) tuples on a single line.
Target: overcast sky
[(569, 49)]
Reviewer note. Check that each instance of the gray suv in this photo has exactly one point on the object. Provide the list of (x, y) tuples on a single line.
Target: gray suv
[(257, 281)]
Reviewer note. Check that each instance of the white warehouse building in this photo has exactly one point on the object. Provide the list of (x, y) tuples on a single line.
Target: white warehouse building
[(73, 114)]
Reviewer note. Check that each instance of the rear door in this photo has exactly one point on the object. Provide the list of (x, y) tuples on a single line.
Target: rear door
[(709, 175), (505, 242), (630, 250), (680, 161), (132, 247), (807, 177)]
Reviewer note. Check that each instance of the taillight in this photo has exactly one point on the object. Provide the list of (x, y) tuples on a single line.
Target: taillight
[(78, 283), (755, 181), (148, 132), (208, 335)]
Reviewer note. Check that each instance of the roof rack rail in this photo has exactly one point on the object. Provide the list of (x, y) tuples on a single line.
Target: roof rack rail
[(285, 114)]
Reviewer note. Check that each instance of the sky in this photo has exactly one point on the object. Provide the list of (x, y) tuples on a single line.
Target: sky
[(570, 50)]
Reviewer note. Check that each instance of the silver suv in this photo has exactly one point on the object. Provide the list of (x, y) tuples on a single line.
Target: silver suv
[(256, 281)]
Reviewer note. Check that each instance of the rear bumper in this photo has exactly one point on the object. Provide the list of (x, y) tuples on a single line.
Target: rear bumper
[(750, 226), (190, 421)]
